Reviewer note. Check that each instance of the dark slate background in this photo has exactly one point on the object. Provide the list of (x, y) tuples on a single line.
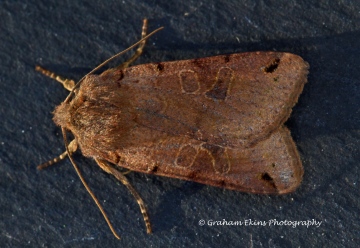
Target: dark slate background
[(52, 209)]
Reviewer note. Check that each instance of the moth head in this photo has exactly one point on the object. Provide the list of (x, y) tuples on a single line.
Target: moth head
[(62, 116)]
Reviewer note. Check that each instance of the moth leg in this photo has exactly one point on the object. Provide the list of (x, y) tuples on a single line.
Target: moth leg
[(118, 175), (126, 172), (139, 50), (72, 148), (67, 83)]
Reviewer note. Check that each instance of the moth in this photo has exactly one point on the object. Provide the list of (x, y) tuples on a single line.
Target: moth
[(216, 120)]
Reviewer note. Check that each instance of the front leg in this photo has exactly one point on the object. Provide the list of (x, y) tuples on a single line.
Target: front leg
[(72, 148), (67, 83)]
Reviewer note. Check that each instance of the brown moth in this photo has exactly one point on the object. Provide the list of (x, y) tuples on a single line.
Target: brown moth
[(216, 120)]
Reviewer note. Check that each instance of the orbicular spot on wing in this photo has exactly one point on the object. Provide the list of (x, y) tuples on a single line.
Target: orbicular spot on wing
[(189, 81), (186, 156), (223, 81)]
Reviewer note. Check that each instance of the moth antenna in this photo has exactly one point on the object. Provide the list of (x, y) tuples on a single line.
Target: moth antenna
[(111, 58), (67, 83), (72, 148), (87, 186), (139, 50), (120, 176)]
